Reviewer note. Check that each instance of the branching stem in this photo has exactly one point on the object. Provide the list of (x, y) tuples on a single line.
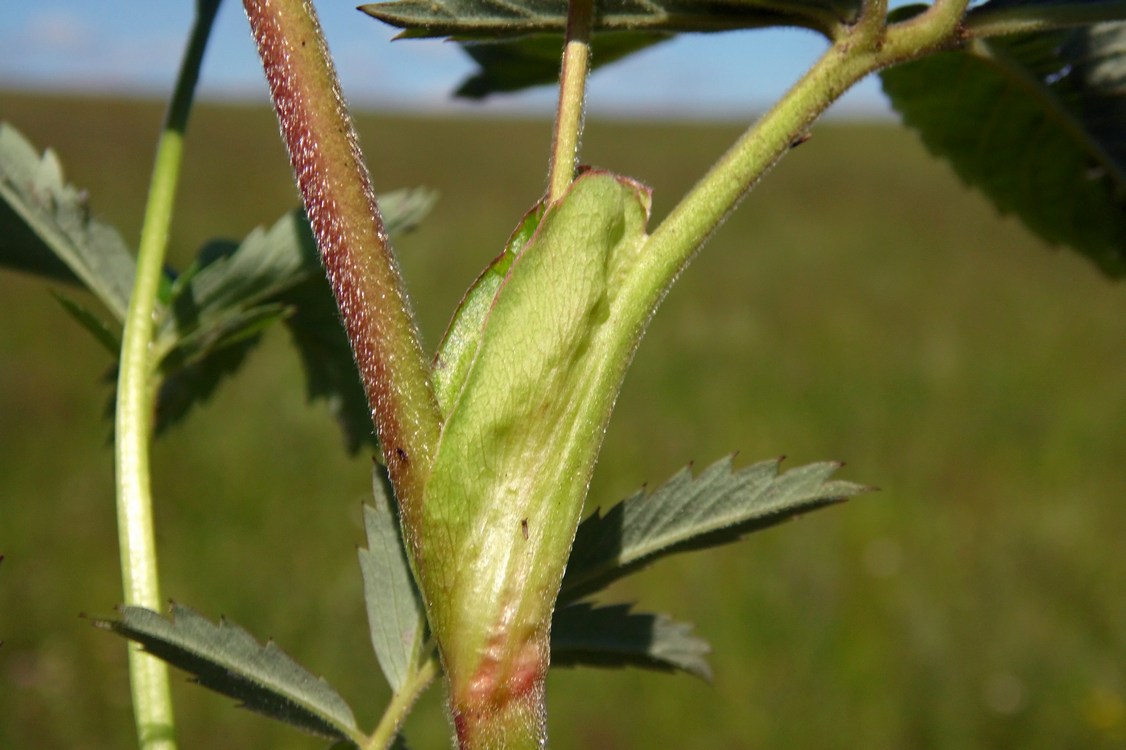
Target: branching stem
[(939, 26), (152, 702), (870, 45), (572, 97), (870, 28), (401, 704)]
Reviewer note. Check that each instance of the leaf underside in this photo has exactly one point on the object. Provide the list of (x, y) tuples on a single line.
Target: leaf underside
[(233, 292), (1037, 122), (218, 309), (719, 506), (326, 357), (465, 19), (227, 659), (516, 43), (517, 64), (214, 313), (583, 634), (46, 228), (197, 374), (105, 335), (396, 618)]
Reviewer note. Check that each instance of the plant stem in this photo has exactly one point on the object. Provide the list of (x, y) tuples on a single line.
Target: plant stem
[(356, 253), (152, 702), (705, 207), (870, 46), (872, 22), (401, 704), (518, 724), (572, 97), (939, 26)]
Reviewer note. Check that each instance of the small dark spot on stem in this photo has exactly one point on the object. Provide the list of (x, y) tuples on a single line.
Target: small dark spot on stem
[(402, 456), (800, 139), (524, 528), (461, 726)]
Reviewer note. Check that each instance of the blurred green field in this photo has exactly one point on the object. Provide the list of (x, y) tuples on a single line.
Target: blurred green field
[(861, 305)]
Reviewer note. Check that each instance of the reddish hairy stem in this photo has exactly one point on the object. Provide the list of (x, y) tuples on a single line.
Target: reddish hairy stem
[(515, 718), (356, 253)]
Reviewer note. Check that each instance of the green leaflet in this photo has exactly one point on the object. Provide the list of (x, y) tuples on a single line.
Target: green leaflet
[(46, 228), (1035, 121), (484, 19), (203, 360), (103, 332), (519, 443), (585, 635), (396, 621), (517, 44), (719, 506), (516, 64), (227, 659), (215, 311), (212, 315), (1036, 15)]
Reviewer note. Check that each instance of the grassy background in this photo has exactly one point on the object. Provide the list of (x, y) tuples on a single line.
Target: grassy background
[(861, 305)]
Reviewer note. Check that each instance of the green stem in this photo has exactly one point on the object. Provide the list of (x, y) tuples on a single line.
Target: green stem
[(572, 97), (401, 704), (867, 48), (870, 28), (938, 27), (356, 253), (705, 207), (1016, 19), (152, 703)]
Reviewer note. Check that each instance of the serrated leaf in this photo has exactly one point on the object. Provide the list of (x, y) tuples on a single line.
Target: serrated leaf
[(396, 619), (403, 210), (219, 308), (269, 262), (1037, 122), (108, 337), (500, 18), (227, 659), (583, 634), (225, 300), (233, 292), (326, 357), (688, 513), (46, 228), (521, 63), (314, 326), (1030, 14), (233, 328), (193, 370), (231, 278)]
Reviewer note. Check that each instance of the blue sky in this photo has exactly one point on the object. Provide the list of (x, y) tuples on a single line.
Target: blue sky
[(134, 46)]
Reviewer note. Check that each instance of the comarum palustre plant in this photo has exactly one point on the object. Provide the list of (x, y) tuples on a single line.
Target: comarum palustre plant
[(477, 568)]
